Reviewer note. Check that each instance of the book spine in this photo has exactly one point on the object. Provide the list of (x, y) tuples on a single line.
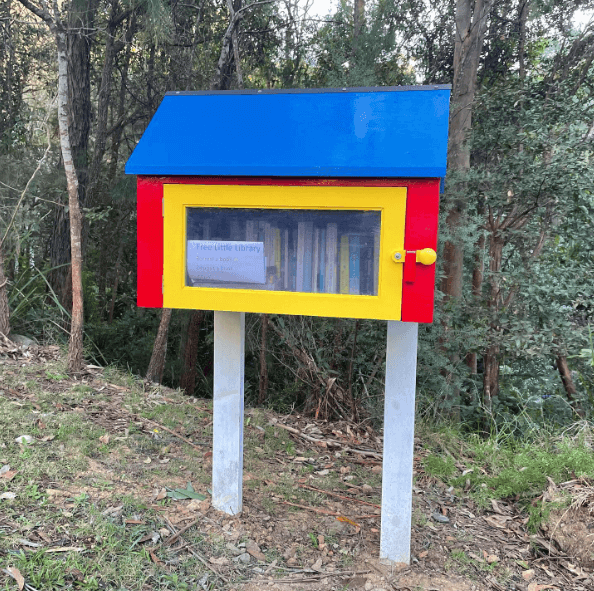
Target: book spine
[(344, 264), (277, 257), (322, 264), (235, 232), (315, 260), (354, 265), (251, 235), (293, 261), (269, 255), (307, 257), (285, 272), (331, 282), (300, 255)]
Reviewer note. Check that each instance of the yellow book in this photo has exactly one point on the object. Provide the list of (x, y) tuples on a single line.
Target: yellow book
[(344, 264)]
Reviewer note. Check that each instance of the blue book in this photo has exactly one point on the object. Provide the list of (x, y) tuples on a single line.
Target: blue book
[(354, 265)]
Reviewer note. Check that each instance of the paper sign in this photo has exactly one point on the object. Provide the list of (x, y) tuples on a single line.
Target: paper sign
[(225, 261)]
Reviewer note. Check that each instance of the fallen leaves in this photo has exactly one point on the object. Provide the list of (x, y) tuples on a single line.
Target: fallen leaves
[(7, 474), (185, 493), (17, 576), (537, 587)]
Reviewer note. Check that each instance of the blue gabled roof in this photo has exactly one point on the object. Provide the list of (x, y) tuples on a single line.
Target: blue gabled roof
[(353, 132)]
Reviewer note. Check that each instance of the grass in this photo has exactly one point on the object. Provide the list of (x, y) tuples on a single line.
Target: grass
[(505, 468), (88, 483)]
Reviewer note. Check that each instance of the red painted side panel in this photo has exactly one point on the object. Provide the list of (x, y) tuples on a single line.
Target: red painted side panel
[(150, 242), (422, 214), (422, 209)]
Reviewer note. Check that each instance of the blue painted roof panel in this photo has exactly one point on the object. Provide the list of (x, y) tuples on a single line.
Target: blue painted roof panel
[(333, 133)]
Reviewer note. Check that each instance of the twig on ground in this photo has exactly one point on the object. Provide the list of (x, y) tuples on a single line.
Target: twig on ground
[(330, 442), (327, 511), (174, 537), (194, 445), (317, 577), (208, 566)]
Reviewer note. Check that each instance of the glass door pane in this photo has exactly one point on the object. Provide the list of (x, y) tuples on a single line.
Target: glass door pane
[(294, 250)]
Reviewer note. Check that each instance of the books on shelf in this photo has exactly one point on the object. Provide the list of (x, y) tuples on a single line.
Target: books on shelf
[(331, 257)]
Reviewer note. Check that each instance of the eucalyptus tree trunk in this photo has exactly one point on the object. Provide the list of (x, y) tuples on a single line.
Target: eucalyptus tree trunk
[(471, 24), (75, 346), (230, 48), (77, 31), (59, 30)]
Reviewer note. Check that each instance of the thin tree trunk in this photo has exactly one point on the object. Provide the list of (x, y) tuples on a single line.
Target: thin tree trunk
[(566, 378), (4, 310), (117, 133), (471, 23), (75, 346), (263, 385), (524, 9), (156, 367), (103, 98), (188, 377), (491, 374), (116, 279)]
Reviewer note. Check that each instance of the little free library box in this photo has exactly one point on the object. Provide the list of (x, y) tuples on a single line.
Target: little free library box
[(316, 202)]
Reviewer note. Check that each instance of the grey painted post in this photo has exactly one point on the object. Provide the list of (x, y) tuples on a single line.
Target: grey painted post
[(227, 448), (399, 426)]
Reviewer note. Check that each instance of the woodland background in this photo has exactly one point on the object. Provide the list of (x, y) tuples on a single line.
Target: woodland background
[(511, 346)]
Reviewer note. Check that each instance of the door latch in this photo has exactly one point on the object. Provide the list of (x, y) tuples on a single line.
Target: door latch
[(409, 258)]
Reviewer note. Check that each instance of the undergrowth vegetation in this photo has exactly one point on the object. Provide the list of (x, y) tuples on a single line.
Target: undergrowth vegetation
[(505, 467)]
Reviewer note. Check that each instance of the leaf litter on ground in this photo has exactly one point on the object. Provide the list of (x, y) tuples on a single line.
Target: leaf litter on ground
[(141, 502)]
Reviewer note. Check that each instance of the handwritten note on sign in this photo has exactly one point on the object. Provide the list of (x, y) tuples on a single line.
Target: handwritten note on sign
[(224, 261)]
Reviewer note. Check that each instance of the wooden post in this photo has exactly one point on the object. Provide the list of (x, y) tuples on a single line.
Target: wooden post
[(227, 449), (399, 427)]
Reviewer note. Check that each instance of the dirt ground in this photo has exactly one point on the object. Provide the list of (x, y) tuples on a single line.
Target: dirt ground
[(311, 517)]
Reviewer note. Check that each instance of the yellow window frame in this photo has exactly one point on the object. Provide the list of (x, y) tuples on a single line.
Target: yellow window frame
[(390, 201)]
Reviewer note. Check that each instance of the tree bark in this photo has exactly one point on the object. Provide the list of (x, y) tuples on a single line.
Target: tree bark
[(57, 27), (156, 367), (523, 11), (222, 77), (188, 378), (566, 379), (75, 346), (263, 385), (471, 24), (4, 310)]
